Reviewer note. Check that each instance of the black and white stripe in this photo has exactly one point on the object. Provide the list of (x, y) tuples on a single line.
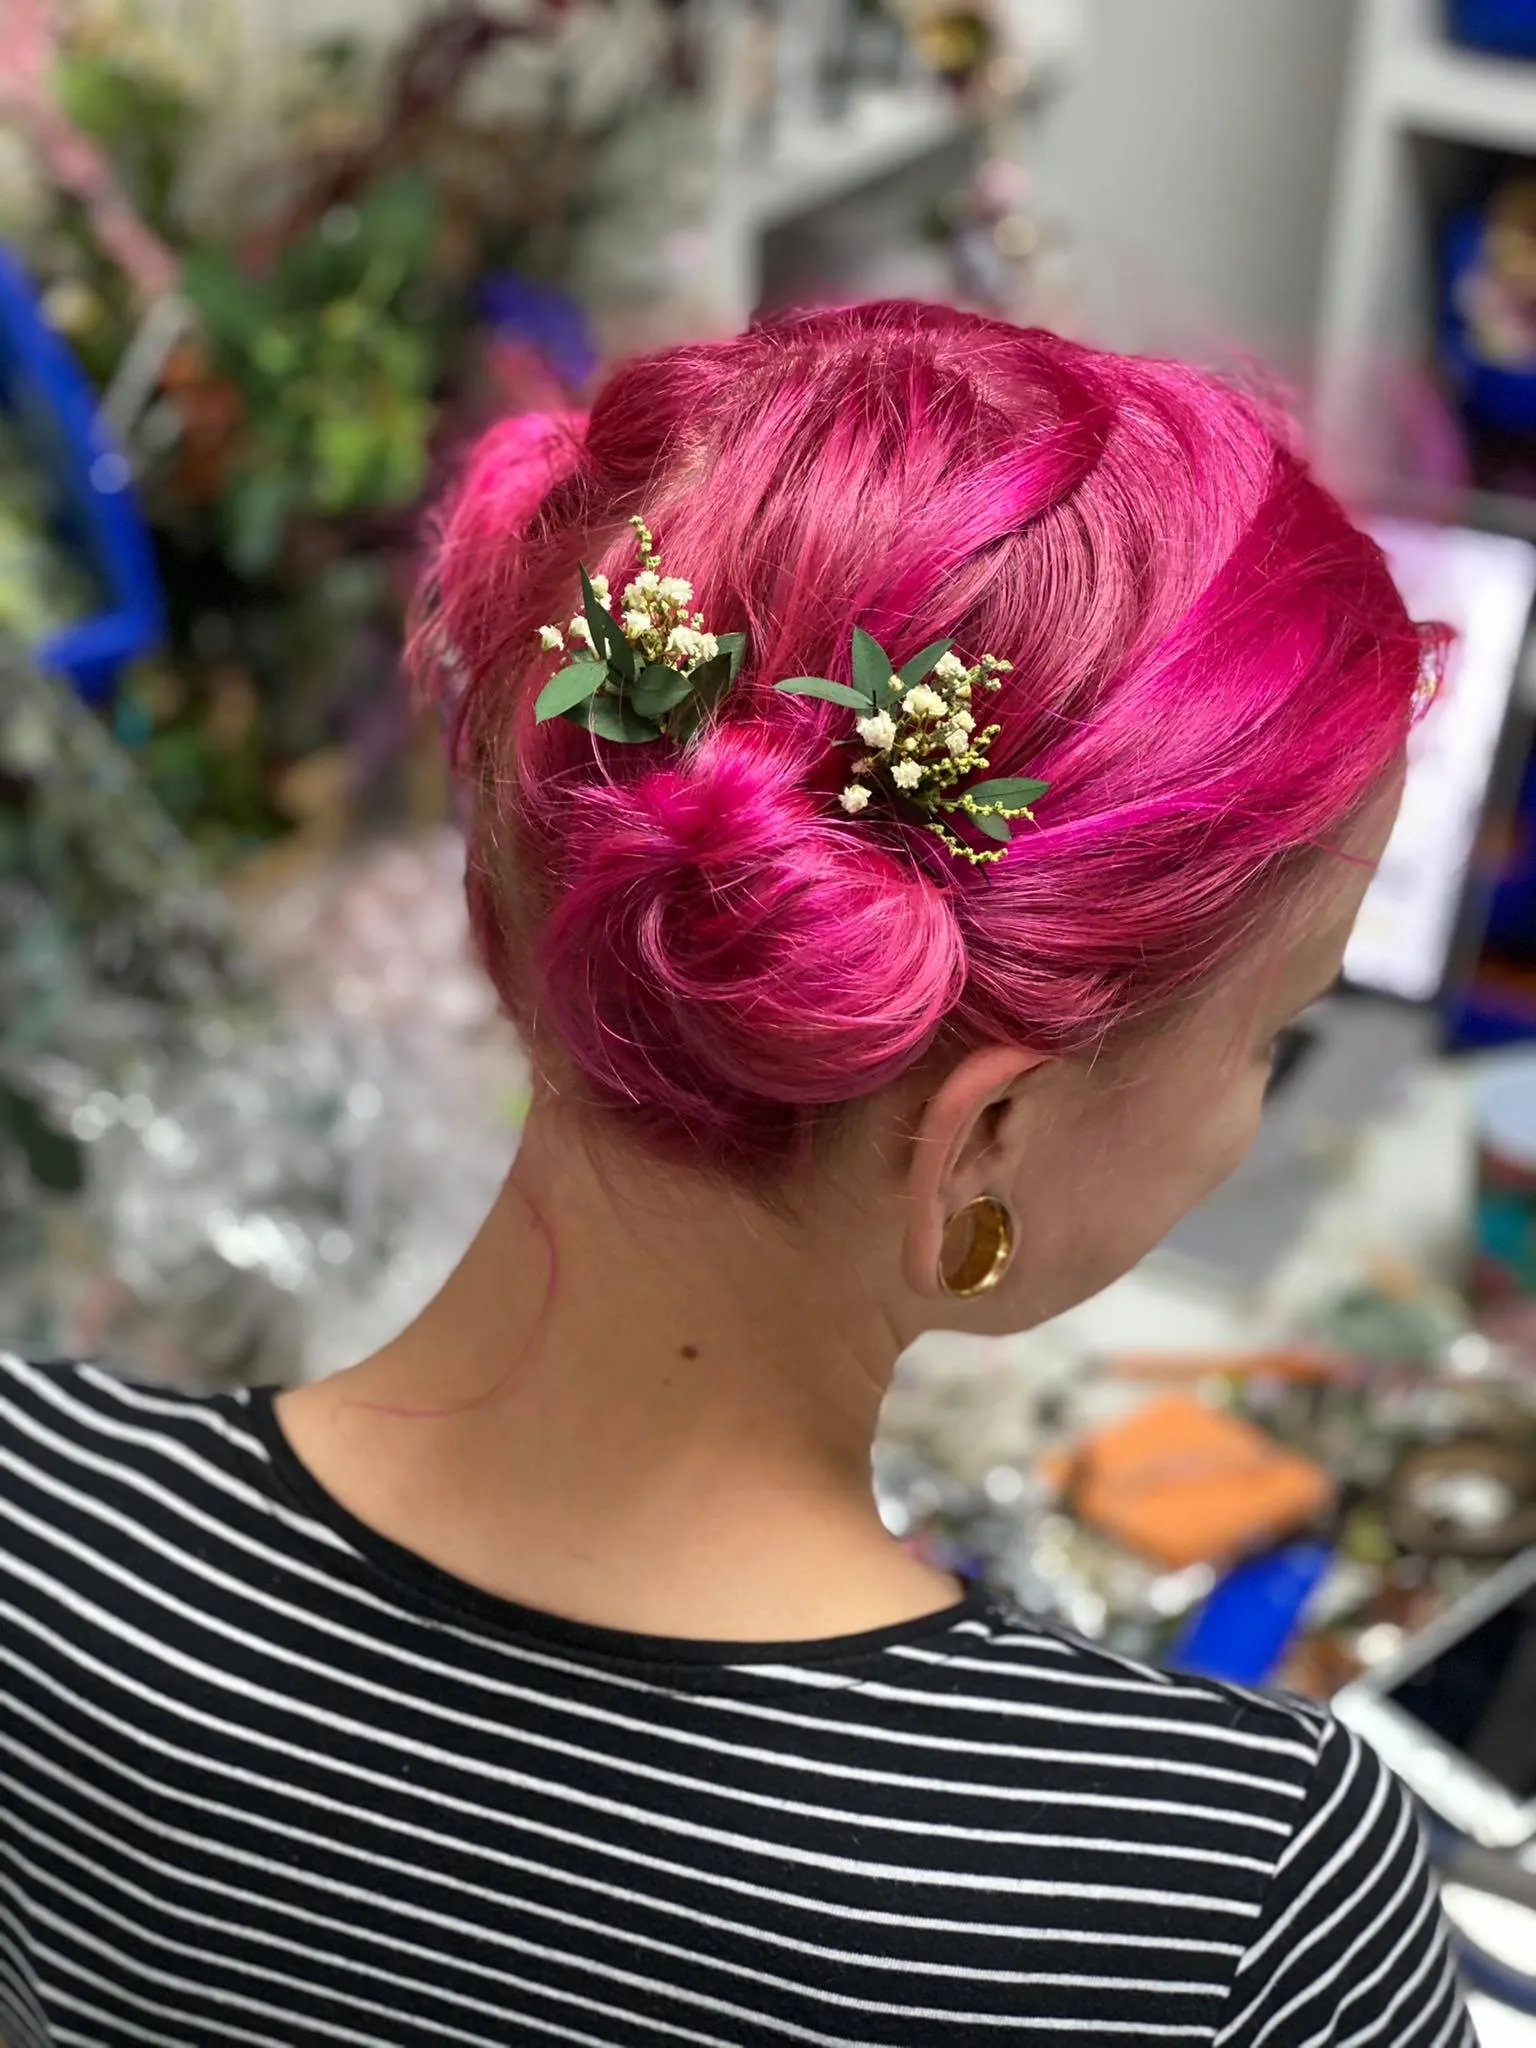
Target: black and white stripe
[(266, 1778)]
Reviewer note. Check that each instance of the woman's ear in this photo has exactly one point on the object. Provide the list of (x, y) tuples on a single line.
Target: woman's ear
[(968, 1141)]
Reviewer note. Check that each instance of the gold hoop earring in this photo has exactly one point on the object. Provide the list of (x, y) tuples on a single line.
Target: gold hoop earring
[(978, 1248)]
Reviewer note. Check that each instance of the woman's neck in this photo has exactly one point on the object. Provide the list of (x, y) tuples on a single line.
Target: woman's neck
[(640, 1401)]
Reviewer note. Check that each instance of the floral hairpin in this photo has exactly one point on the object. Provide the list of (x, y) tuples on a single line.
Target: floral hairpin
[(651, 672), (921, 741), (654, 671)]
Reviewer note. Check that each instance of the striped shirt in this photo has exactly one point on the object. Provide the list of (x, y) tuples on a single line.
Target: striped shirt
[(266, 1777)]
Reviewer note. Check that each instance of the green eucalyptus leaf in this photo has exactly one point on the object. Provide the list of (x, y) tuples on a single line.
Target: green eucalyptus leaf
[(612, 719), (571, 686), (735, 645), (711, 679), (922, 663), (683, 720), (657, 690), (607, 639), (871, 670), (990, 823), (819, 686), (707, 685), (1010, 791)]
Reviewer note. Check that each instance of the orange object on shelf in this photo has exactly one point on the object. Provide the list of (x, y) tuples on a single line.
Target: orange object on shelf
[(1184, 1484), (1294, 1362)]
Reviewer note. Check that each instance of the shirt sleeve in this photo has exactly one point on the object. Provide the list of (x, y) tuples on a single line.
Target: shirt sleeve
[(1351, 1950)]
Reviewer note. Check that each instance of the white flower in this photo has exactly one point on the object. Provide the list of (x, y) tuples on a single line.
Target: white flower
[(921, 702), (692, 645), (957, 741), (579, 629), (854, 798), (878, 732), (963, 721), (950, 667), (906, 774), (636, 624), (600, 590), (645, 586), (676, 589), (551, 637)]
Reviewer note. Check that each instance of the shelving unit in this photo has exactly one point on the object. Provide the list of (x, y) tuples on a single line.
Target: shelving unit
[(1414, 104), (815, 163), (1462, 95)]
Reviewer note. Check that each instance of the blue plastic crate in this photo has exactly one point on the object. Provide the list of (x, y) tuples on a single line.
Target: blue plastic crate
[(1248, 1623), (56, 414)]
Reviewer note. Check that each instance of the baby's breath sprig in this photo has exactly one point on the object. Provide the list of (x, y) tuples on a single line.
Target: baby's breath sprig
[(653, 671), (921, 742)]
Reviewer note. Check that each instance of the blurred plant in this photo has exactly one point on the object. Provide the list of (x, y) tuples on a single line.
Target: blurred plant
[(333, 352), (42, 587), (320, 336), (137, 96)]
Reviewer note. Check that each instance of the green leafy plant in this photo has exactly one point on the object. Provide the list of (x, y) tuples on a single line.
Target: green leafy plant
[(333, 364)]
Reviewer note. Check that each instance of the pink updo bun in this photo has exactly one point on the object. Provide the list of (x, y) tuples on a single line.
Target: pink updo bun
[(719, 954), (1212, 669)]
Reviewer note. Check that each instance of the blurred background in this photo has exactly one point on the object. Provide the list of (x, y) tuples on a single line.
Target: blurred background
[(265, 269)]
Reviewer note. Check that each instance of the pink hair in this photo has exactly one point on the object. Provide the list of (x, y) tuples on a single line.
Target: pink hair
[(1211, 667)]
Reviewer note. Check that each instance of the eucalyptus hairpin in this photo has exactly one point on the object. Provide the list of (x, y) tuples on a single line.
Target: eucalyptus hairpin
[(649, 672), (650, 669), (920, 741)]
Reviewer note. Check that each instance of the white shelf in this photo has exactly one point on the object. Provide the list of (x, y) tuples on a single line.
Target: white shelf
[(1437, 89), (1376, 338), (818, 163)]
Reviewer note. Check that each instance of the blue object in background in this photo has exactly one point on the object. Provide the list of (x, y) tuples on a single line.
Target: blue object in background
[(1505, 26), (55, 409), (1496, 1005), (549, 321), (1245, 1627), (1488, 393)]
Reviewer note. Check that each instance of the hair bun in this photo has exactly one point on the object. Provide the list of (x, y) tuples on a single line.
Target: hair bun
[(470, 573), (720, 946)]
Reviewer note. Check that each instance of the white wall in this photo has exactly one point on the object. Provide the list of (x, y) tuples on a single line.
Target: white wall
[(1191, 159)]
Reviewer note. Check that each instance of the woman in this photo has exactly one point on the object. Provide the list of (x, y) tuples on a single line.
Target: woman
[(549, 1676)]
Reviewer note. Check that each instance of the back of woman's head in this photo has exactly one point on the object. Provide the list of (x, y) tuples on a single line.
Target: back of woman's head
[(1210, 668)]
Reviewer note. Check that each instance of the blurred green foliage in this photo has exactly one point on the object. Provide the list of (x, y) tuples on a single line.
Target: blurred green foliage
[(334, 351)]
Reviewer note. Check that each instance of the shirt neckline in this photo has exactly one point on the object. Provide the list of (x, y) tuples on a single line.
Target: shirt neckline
[(429, 1584)]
